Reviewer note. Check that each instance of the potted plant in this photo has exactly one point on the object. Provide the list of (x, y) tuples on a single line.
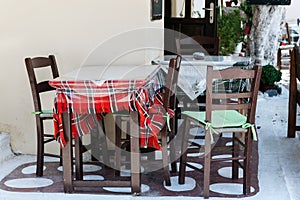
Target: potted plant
[(269, 78), (230, 31)]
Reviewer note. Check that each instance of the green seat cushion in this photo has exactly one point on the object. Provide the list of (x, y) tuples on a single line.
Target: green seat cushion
[(43, 112), (223, 119), (220, 118)]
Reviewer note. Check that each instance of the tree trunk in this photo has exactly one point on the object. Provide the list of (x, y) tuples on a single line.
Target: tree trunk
[(265, 33)]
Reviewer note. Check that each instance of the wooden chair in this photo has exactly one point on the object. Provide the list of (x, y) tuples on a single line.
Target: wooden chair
[(294, 92), (38, 88), (223, 115), (189, 45), (288, 33), (169, 102), (288, 47), (41, 115)]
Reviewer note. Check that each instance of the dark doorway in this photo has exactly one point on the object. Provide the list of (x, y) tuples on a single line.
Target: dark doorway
[(189, 18)]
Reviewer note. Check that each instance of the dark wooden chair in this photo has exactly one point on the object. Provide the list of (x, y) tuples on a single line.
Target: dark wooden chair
[(224, 115), (281, 58), (205, 44), (38, 87), (294, 92), (169, 101), (166, 137), (189, 45)]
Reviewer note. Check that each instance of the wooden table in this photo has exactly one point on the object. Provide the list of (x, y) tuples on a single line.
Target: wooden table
[(192, 76), (102, 89)]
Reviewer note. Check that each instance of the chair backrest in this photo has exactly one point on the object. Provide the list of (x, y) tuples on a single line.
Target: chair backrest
[(189, 45), (171, 83), (295, 62), (294, 92), (32, 65), (288, 32), (219, 99)]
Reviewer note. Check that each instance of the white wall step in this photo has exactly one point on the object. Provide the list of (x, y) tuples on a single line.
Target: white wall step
[(5, 148)]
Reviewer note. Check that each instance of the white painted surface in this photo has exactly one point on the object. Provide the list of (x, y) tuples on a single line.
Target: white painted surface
[(86, 168), (93, 177), (189, 184), (5, 149), (292, 11), (227, 172), (31, 169), (226, 188), (71, 30), (144, 188), (29, 182)]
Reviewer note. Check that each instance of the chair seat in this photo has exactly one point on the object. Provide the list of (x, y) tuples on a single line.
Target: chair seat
[(220, 118), (223, 121), (46, 114)]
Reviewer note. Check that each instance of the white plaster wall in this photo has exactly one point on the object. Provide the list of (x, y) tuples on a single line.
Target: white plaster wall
[(70, 29), (292, 11), (5, 148)]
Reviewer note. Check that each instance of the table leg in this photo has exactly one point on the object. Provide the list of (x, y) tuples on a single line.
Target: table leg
[(67, 154), (135, 153)]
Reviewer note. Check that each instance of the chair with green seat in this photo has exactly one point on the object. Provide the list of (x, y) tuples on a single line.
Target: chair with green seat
[(232, 112), (46, 67), (38, 87)]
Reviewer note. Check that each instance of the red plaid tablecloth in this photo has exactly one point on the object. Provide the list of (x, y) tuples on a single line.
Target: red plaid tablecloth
[(88, 100)]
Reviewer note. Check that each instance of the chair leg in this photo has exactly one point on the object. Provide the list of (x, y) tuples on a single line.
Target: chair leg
[(103, 141), (235, 152), (78, 159), (40, 161), (184, 146), (207, 159), (118, 134), (247, 153), (173, 157), (95, 142), (165, 157), (292, 108), (172, 145), (40, 147), (60, 158)]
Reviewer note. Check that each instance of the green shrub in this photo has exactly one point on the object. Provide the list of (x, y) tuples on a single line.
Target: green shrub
[(230, 31), (270, 75)]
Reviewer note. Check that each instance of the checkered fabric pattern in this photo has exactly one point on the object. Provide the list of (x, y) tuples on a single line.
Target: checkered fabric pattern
[(89, 100)]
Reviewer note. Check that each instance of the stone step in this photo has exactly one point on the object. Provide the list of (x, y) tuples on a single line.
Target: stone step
[(5, 148)]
